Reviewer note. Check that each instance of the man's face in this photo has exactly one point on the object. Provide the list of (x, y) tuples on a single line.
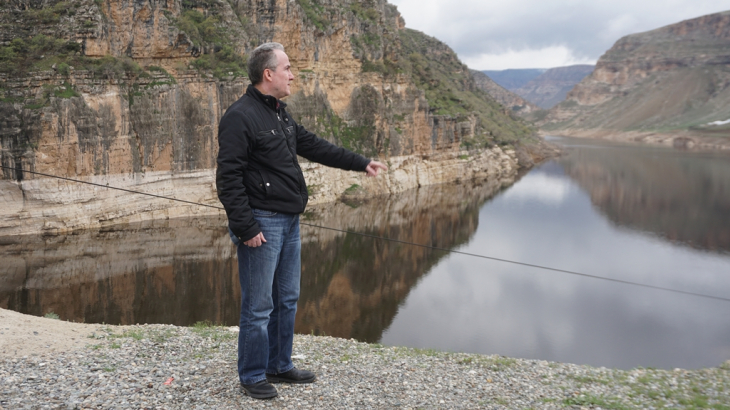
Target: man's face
[(281, 78)]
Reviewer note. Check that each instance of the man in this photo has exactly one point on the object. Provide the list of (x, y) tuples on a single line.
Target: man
[(262, 188)]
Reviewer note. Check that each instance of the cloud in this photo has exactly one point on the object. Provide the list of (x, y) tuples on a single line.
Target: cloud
[(521, 29), (553, 56), (540, 187)]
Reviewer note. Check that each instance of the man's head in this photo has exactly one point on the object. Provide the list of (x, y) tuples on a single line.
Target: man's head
[(269, 70)]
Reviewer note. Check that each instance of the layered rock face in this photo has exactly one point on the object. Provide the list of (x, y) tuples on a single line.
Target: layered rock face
[(129, 94), (669, 85)]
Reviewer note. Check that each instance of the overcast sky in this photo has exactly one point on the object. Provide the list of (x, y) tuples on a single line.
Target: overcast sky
[(502, 34)]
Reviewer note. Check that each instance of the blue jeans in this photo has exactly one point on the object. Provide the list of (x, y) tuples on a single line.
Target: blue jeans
[(269, 276)]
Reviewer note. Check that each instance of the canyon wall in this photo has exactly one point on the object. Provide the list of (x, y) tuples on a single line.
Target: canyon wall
[(669, 85), (129, 95)]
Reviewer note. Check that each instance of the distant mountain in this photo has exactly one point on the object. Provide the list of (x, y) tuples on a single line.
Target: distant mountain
[(507, 98), (667, 85), (552, 86), (514, 78)]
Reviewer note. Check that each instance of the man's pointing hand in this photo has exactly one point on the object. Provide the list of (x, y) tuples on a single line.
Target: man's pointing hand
[(373, 168)]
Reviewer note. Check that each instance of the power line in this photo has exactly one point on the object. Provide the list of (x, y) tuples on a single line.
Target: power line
[(626, 282), (111, 187)]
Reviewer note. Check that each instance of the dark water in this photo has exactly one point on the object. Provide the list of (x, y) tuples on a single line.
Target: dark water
[(654, 216)]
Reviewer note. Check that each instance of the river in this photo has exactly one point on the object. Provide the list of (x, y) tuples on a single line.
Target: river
[(639, 235)]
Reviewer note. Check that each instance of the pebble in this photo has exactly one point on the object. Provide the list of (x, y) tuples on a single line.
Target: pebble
[(168, 367)]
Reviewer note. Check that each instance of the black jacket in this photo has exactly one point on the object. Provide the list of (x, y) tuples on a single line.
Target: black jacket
[(257, 160)]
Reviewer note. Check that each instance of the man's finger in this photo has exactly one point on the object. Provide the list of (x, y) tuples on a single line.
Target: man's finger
[(374, 167)]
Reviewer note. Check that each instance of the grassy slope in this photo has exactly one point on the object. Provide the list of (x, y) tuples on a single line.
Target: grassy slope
[(450, 89), (682, 99)]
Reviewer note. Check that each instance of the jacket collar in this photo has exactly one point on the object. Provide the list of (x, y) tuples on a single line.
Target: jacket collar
[(264, 99)]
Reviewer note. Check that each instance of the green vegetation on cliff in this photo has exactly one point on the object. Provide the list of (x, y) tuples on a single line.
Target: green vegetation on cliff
[(386, 49), (52, 53), (450, 90), (217, 47)]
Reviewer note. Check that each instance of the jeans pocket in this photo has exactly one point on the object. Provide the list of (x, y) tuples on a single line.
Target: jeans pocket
[(261, 212), (234, 238)]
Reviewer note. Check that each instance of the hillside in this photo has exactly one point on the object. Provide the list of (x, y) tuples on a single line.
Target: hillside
[(452, 91), (507, 98), (130, 95), (668, 85), (552, 86)]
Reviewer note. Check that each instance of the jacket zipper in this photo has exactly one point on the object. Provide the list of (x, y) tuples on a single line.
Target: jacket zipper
[(302, 183)]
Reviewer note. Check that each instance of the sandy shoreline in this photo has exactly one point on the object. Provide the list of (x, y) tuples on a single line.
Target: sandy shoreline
[(25, 335)]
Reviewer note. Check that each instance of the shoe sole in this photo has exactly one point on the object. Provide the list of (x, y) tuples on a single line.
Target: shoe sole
[(259, 396), (274, 379)]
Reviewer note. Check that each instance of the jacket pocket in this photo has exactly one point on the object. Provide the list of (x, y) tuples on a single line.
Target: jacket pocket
[(270, 145), (265, 184), (253, 180)]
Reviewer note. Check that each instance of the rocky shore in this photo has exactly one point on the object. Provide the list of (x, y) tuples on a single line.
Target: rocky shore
[(47, 363)]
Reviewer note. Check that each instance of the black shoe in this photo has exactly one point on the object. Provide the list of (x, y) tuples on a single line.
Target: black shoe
[(292, 376), (260, 390)]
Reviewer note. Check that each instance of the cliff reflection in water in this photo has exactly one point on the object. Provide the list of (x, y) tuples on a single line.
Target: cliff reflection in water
[(353, 285), (169, 271), (683, 198), (184, 271)]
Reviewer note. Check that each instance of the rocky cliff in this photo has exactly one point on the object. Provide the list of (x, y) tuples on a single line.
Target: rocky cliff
[(667, 85), (130, 93), (507, 98)]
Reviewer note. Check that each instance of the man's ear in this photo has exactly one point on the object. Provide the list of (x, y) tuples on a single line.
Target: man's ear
[(268, 74)]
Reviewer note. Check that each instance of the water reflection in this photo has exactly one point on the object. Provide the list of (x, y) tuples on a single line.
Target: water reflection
[(182, 271), (680, 196), (170, 271), (638, 214), (467, 304), (352, 286)]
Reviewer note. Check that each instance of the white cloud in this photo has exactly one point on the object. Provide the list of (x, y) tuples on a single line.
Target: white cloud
[(547, 57), (539, 187)]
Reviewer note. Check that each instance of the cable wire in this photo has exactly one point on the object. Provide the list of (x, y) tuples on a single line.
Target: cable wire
[(626, 282)]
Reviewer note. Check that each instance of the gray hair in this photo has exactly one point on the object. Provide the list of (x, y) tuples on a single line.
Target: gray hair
[(261, 58)]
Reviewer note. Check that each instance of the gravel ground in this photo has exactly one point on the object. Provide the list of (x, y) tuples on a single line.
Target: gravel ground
[(168, 367)]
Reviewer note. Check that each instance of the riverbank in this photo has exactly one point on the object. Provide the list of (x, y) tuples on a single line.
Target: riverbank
[(47, 363), (691, 140)]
